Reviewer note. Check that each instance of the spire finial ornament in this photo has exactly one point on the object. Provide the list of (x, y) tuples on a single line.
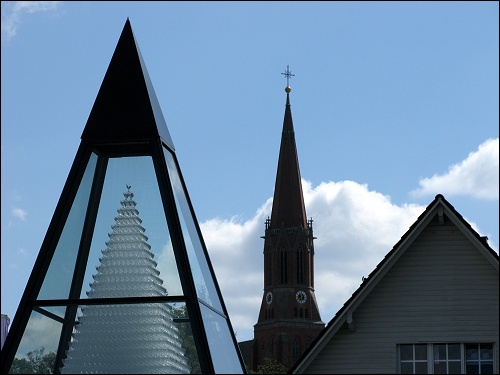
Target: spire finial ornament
[(288, 74), (128, 194)]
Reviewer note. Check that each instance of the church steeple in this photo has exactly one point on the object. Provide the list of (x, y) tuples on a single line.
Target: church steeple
[(289, 318), (288, 202)]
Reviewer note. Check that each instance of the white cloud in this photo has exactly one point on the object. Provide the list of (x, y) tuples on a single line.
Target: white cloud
[(476, 176), (13, 11), (19, 213), (40, 332), (355, 229)]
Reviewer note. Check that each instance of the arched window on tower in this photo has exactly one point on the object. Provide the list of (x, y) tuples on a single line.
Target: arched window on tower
[(295, 350), (269, 265), (307, 343), (300, 265), (284, 265)]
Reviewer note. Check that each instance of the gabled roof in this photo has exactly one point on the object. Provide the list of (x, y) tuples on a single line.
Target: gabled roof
[(126, 98), (439, 206)]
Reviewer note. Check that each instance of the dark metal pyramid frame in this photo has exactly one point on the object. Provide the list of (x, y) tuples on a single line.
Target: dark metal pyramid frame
[(126, 120)]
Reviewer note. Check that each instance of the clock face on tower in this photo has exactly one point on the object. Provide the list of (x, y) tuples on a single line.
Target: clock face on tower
[(269, 298), (301, 296)]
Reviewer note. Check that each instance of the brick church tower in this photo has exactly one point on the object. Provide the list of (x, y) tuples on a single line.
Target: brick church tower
[(289, 318)]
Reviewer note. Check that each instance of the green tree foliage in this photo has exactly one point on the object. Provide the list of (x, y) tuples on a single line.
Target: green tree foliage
[(37, 363), (186, 335), (270, 366)]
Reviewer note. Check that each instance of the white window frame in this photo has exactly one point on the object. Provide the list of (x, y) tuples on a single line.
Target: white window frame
[(413, 361), (479, 359), (431, 360), (447, 360)]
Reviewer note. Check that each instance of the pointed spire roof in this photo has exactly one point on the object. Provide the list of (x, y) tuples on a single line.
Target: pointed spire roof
[(126, 107), (288, 203)]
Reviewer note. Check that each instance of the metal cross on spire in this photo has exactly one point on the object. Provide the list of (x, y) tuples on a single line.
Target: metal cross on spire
[(288, 74)]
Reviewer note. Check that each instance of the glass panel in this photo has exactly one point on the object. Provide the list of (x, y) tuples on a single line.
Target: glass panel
[(37, 350), (487, 368), (407, 368), (454, 351), (447, 359), (421, 368), (440, 367), (406, 352), (454, 367), (205, 286), (222, 349), (420, 351), (179, 311), (439, 352), (53, 312), (472, 368), (131, 254), (486, 352), (57, 282), (471, 352), (134, 338)]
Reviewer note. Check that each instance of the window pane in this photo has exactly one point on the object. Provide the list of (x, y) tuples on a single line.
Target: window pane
[(487, 368), (421, 368), (131, 253), (472, 368), (406, 352), (41, 338), (486, 352), (420, 351), (471, 352), (440, 367), (407, 368), (205, 286), (454, 367), (222, 348), (57, 281), (453, 351), (439, 352)]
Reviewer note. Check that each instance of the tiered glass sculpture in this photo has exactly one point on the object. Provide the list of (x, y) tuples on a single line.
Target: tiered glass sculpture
[(126, 338)]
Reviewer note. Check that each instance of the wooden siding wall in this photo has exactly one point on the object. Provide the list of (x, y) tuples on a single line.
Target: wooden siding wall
[(441, 290)]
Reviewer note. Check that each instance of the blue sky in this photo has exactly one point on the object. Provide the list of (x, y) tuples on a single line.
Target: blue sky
[(392, 103)]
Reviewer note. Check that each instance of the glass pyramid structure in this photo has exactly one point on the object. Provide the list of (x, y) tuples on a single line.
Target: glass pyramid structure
[(139, 295)]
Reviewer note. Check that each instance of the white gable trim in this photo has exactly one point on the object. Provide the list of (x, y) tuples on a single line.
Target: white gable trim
[(470, 236)]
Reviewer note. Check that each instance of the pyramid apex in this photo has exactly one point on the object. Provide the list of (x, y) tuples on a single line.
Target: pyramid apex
[(126, 107)]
